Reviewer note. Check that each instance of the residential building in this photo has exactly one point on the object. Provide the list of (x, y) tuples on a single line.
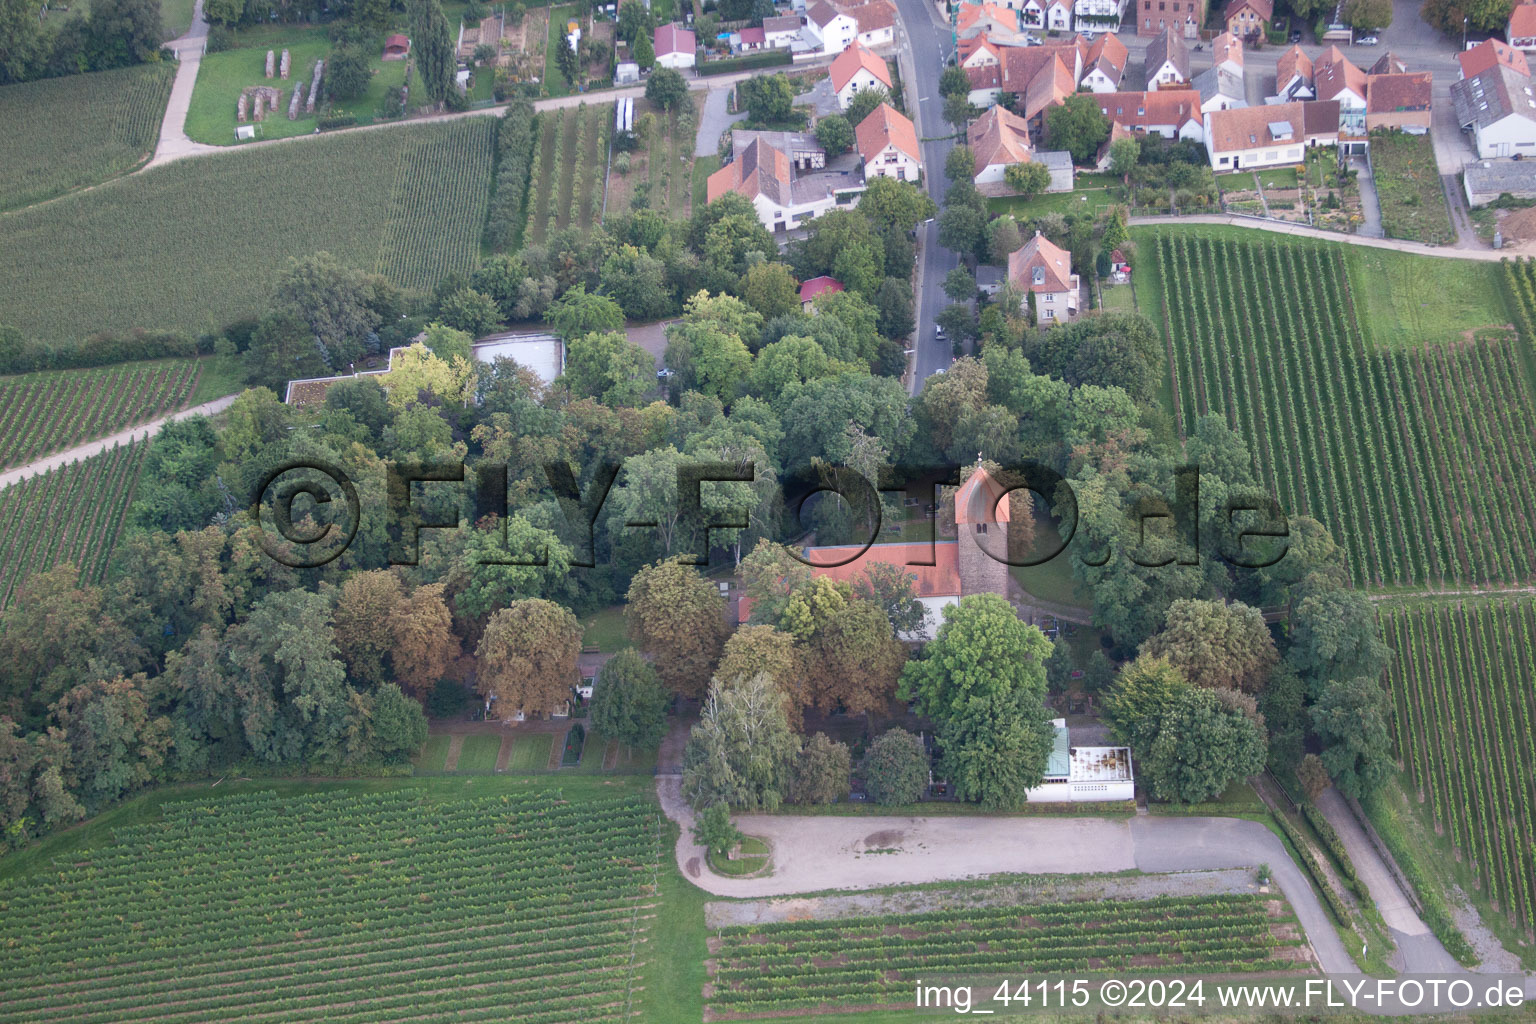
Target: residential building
[(1098, 15), (832, 30), (1050, 87), (1058, 15), (1220, 89), (1084, 774), (1171, 113), (1020, 66), (1031, 12), (887, 142), (974, 19), (749, 40), (1167, 60), (1269, 136), (1498, 108), (816, 286), (1489, 54), (998, 139), (856, 70), (1334, 77), (1400, 101), (1105, 64), (1387, 64), (676, 47), (1248, 19), (875, 22), (1293, 76), (1227, 53), (1117, 131), (780, 32), (786, 176), (1487, 180), (1044, 270), (1184, 16), (1521, 30)]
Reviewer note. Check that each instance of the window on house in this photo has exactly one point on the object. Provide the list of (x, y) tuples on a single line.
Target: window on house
[(1047, 314), (1039, 275)]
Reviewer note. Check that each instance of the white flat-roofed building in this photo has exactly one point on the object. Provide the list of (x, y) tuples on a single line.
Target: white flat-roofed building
[(1084, 774), (544, 354)]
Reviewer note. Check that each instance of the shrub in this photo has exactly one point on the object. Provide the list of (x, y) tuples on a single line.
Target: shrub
[(821, 773), (896, 770)]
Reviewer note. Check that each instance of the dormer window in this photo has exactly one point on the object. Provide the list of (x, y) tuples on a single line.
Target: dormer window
[(1039, 275)]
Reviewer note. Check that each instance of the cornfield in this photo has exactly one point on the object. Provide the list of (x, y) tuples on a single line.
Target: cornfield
[(71, 514), (65, 133), (197, 244), (45, 412)]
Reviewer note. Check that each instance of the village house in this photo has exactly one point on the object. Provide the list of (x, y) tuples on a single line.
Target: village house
[(1293, 77), (1098, 15), (1489, 54), (1400, 101), (1058, 15), (856, 70), (1219, 89), (973, 20), (786, 177), (749, 40), (1020, 68), (1387, 64), (1247, 19), (1167, 61), (1269, 136), (998, 139), (887, 142), (817, 286), (1184, 16), (1171, 113), (1044, 270), (780, 32), (676, 47), (1105, 64), (1498, 108), (1521, 29), (1050, 87), (830, 29), (1227, 53), (875, 22)]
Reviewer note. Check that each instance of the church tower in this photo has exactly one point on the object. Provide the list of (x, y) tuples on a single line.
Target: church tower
[(981, 524)]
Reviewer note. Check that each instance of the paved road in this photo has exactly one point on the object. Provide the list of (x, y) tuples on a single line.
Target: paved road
[(817, 853), (174, 143), (925, 48), (85, 451)]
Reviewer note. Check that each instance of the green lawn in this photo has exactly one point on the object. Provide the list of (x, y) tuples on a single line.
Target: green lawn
[(434, 753), (216, 377), (703, 167), (211, 117), (479, 753), (1052, 580), (1089, 194), (605, 630), (1278, 177), (753, 858), (530, 753), (554, 82), (1403, 299), (1118, 298), (1408, 185)]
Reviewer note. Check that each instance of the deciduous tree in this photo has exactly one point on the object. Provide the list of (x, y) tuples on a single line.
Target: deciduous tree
[(1202, 747), (609, 368), (742, 751), (1078, 126), (629, 704), (678, 617), (1215, 644), (821, 772), (896, 768), (1351, 718), (424, 644), (527, 656), (363, 612)]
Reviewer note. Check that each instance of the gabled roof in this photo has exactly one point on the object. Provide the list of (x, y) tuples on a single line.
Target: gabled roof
[(1168, 46), (819, 286), (784, 23), (1386, 94), (1108, 56), (397, 41), (1333, 75), (851, 60), (1264, 9), (752, 35), (999, 137), (674, 39), (886, 126), (758, 170), (1021, 64), (1492, 96), (1040, 252), (939, 580), (1227, 47), (1161, 106), (970, 14), (988, 76), (1254, 127), (1491, 53), (1319, 117), (1387, 64), (1050, 87), (1219, 81), (872, 16), (1293, 63), (1522, 21), (822, 13), (981, 41)]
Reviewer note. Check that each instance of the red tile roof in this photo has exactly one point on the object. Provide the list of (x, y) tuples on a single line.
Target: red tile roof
[(759, 170), (819, 286), (1050, 87), (980, 498), (1227, 47), (1144, 109), (942, 579), (1107, 53), (999, 137), (1040, 251), (1489, 54), (1264, 9), (1293, 62), (972, 13), (674, 39), (1388, 94), (1522, 21), (851, 60), (1333, 74), (753, 35), (872, 16), (887, 126)]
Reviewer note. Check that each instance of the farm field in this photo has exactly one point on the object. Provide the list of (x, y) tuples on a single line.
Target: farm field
[(1417, 458), (196, 244), (786, 968), (66, 133), (1408, 185), (1465, 729), (45, 412), (347, 904), (72, 514), (566, 185), (211, 117)]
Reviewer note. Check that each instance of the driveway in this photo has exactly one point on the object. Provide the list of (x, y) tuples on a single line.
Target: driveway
[(714, 120), (1370, 202)]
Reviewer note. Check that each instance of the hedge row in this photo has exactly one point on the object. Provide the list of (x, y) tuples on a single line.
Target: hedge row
[(746, 62), (19, 355), (515, 151)]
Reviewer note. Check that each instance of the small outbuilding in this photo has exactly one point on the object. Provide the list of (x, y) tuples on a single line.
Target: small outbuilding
[(397, 47), (1487, 180)]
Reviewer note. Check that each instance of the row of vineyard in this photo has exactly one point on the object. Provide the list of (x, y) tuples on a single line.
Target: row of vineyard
[(45, 412), (341, 906), (71, 514), (789, 967), (1466, 735), (569, 175), (1421, 463), (438, 204)]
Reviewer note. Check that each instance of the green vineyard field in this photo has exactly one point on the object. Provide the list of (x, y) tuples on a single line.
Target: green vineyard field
[(344, 907), (45, 412), (787, 968), (65, 133), (1466, 735), (569, 170), (71, 514), (198, 244), (1421, 462)]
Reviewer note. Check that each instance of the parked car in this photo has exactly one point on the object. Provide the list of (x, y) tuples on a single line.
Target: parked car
[(1088, 35), (664, 373), (1367, 41), (938, 331), (1296, 36)]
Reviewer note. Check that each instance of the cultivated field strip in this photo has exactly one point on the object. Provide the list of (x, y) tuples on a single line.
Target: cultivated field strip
[(1421, 463), (847, 962), (71, 514), (45, 412), (66, 133), (342, 907), (1465, 727), (569, 173), (438, 203)]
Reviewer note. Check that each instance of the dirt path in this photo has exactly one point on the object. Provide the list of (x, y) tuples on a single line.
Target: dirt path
[(1302, 230), (455, 746), (85, 451), (174, 142)]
